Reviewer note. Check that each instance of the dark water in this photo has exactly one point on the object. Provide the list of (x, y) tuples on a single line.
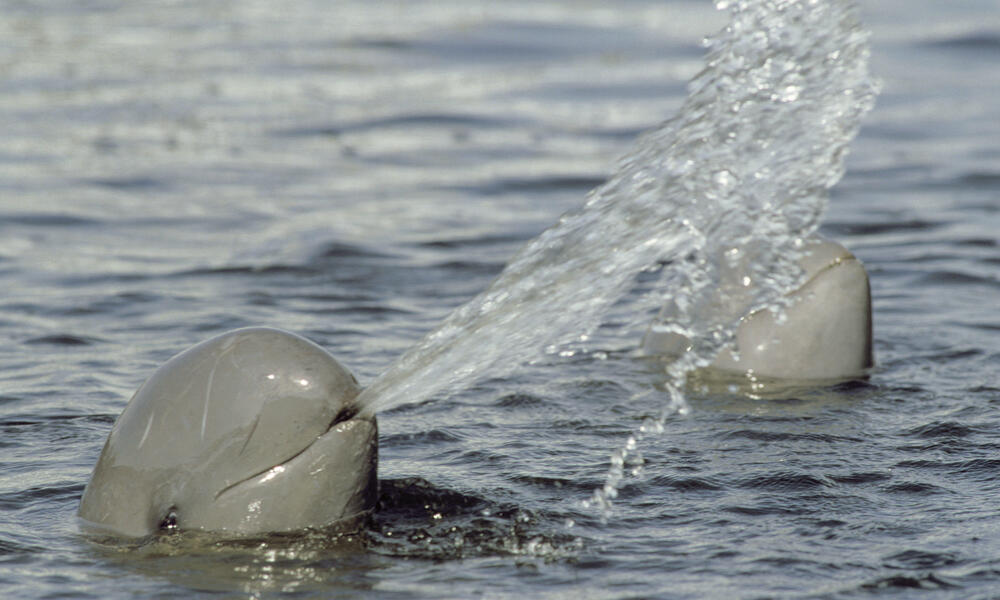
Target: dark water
[(173, 170)]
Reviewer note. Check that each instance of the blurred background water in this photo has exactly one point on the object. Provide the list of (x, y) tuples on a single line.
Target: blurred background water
[(352, 172)]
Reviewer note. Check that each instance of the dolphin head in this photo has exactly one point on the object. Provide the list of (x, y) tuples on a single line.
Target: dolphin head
[(252, 431), (826, 332)]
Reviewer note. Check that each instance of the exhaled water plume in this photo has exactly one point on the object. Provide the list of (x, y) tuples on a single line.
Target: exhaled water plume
[(723, 195)]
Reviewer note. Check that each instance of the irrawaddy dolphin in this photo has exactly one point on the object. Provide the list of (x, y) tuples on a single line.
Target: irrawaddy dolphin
[(826, 332), (255, 430), (252, 431)]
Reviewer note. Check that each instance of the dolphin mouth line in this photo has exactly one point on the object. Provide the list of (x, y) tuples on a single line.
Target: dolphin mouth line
[(347, 413), (833, 264)]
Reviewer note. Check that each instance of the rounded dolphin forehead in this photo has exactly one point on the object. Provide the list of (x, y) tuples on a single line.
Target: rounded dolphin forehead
[(821, 254), (249, 396)]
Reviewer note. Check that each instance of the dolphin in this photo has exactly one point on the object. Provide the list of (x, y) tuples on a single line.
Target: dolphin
[(252, 431), (256, 430), (826, 332)]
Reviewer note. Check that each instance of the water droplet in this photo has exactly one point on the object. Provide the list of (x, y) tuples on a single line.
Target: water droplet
[(790, 93)]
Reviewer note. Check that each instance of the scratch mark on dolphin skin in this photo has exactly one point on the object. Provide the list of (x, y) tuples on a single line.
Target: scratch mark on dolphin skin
[(208, 396), (253, 428), (145, 434), (227, 348)]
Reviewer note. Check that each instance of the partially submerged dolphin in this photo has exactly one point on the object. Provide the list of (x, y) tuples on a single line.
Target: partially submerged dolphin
[(826, 332), (252, 431), (255, 430)]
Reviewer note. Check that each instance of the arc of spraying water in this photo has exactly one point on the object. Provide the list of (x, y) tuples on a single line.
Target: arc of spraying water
[(738, 178)]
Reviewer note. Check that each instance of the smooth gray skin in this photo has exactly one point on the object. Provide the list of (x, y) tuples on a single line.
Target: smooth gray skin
[(826, 334), (249, 432)]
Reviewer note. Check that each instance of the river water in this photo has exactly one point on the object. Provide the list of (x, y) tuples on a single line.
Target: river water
[(172, 170)]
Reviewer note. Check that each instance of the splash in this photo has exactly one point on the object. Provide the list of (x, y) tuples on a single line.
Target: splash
[(722, 195)]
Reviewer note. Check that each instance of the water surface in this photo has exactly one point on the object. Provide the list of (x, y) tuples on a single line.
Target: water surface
[(174, 170)]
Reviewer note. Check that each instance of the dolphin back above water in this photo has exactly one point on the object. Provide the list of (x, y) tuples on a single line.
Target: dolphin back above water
[(252, 431)]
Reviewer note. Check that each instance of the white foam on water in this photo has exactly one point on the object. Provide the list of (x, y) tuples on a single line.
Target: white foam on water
[(722, 195)]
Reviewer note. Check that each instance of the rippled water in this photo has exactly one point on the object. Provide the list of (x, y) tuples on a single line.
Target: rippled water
[(173, 170)]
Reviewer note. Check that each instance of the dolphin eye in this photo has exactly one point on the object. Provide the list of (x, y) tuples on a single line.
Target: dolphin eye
[(169, 521)]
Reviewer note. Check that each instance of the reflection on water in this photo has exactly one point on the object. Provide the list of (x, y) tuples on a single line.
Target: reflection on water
[(310, 561), (414, 520)]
